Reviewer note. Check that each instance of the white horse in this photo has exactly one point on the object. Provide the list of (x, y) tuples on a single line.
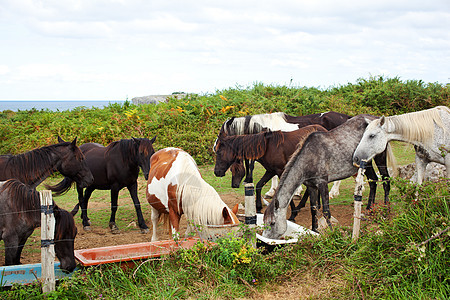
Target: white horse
[(428, 130), (175, 187)]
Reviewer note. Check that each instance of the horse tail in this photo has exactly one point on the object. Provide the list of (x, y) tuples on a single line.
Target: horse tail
[(75, 209), (390, 160), (62, 187)]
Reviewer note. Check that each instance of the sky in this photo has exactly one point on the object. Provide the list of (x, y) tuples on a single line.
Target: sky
[(120, 49)]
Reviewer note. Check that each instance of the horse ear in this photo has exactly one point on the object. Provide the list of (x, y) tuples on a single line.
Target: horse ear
[(153, 139), (229, 122), (382, 121), (74, 142), (235, 208), (136, 140), (226, 216), (60, 140)]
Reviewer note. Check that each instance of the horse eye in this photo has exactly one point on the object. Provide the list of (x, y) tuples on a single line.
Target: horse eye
[(371, 136)]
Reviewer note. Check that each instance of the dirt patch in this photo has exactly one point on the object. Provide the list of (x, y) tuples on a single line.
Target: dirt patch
[(101, 236)]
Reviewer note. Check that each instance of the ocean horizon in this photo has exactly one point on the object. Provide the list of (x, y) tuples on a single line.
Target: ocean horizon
[(53, 105)]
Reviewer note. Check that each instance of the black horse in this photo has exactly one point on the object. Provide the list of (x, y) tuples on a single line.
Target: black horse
[(34, 166), (21, 214), (115, 167)]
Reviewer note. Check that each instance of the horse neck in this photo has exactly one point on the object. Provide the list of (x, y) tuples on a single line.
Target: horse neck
[(31, 173)]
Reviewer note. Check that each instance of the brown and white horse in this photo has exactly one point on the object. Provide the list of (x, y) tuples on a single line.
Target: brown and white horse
[(175, 187)]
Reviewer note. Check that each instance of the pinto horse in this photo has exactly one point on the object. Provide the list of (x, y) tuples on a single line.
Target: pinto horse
[(272, 149), (275, 121), (428, 130), (323, 157), (175, 187), (115, 167), (34, 166), (21, 214)]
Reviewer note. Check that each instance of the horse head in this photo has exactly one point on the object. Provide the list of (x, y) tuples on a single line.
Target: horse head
[(145, 151), (72, 163), (373, 141), (65, 233), (275, 220), (225, 155)]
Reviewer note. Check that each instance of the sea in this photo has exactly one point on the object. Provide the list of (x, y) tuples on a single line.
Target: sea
[(54, 105)]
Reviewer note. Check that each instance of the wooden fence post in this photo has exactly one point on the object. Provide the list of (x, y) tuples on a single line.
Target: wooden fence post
[(47, 242), (358, 201), (250, 211)]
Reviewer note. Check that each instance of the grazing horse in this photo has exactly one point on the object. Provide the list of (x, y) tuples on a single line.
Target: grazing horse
[(115, 167), (272, 149), (20, 210), (428, 130), (34, 166), (275, 121), (323, 157), (175, 187)]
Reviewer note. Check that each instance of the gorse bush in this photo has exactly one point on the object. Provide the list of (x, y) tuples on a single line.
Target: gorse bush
[(192, 123)]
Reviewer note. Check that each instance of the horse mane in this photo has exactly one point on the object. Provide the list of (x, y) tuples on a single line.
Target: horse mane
[(127, 148), (254, 123), (26, 200), (200, 201), (252, 146), (416, 126), (37, 161), (64, 223)]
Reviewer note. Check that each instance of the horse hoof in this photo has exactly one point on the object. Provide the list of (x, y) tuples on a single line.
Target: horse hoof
[(114, 228), (145, 230), (87, 228)]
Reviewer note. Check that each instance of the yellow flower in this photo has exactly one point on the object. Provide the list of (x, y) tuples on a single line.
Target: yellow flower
[(223, 98)]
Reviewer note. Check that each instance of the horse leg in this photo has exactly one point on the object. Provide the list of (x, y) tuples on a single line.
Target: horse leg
[(80, 197), (84, 204), (373, 178), (381, 162), (273, 187), (421, 164), (249, 166), (334, 192), (323, 191), (11, 241), (155, 219), (301, 204), (266, 177), (23, 237), (137, 206), (313, 198), (114, 204)]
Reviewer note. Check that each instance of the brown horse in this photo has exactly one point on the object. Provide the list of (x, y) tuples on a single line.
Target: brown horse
[(21, 214), (272, 149), (276, 121)]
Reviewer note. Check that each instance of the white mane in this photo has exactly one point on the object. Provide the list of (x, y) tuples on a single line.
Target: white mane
[(416, 126), (200, 201), (274, 121)]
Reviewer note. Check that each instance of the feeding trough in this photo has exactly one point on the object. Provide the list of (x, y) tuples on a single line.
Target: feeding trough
[(26, 274), (127, 254), (293, 233)]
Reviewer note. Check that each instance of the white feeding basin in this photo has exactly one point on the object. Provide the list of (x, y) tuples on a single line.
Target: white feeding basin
[(292, 234)]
